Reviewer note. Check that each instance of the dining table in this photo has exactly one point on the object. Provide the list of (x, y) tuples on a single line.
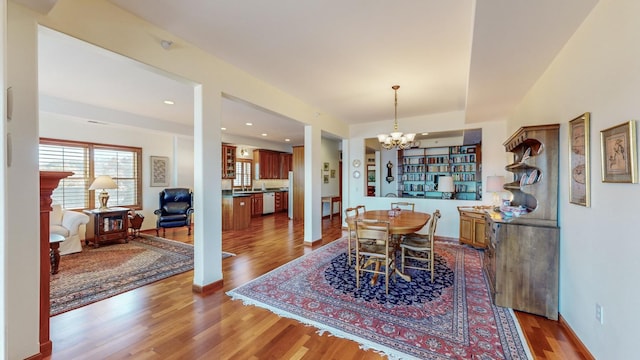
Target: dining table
[(401, 222)]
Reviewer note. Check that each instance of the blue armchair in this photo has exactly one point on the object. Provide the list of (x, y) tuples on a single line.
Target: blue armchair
[(176, 207)]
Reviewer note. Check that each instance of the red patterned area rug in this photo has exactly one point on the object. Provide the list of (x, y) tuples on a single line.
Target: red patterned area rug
[(98, 273), (452, 318)]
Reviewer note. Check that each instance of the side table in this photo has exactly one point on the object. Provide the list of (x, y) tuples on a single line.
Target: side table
[(54, 251), (110, 224)]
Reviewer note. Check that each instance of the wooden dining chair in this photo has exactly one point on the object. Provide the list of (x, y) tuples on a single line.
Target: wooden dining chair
[(361, 209), (403, 205), (374, 252), (420, 247), (350, 215)]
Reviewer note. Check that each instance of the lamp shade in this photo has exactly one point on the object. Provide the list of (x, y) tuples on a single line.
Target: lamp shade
[(495, 183), (445, 184), (103, 182)]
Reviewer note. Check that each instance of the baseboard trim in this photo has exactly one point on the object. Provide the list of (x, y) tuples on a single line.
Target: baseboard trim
[(574, 338), (209, 288)]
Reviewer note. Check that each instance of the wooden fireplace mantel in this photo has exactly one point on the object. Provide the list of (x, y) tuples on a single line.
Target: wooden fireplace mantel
[(49, 181)]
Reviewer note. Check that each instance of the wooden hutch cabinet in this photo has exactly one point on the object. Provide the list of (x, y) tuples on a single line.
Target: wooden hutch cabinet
[(521, 259)]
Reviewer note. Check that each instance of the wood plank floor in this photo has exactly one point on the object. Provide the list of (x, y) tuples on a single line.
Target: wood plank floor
[(166, 320)]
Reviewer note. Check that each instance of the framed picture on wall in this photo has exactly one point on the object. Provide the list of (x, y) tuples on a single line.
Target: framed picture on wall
[(333, 173), (325, 166), (579, 175), (618, 153), (159, 171), (326, 179)]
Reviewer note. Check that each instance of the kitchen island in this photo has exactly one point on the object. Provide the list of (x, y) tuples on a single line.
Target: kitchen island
[(236, 211)]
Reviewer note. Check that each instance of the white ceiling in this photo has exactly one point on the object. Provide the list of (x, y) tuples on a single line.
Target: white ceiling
[(339, 56)]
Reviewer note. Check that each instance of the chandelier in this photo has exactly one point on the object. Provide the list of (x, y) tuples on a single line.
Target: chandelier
[(396, 138)]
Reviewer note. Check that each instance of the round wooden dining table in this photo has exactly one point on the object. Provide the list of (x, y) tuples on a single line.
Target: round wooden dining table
[(404, 223)]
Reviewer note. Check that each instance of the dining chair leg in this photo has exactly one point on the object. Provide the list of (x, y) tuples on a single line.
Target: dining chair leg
[(349, 248)]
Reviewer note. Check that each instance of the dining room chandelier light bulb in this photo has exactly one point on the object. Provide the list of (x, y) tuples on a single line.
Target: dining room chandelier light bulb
[(396, 139)]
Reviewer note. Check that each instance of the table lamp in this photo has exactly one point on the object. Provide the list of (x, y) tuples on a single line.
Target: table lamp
[(445, 186), (495, 185), (103, 182)]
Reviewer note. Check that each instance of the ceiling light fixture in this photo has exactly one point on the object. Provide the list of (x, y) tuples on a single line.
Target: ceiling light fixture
[(166, 44), (396, 138), (287, 140), (223, 128), (169, 102), (249, 124), (264, 134)]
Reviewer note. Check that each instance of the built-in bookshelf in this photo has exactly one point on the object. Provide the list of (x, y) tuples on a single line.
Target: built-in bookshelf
[(420, 168)]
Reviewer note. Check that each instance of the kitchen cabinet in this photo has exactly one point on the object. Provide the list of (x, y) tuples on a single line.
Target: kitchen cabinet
[(285, 200), (286, 160), (256, 204), (228, 161), (278, 201), (236, 212), (271, 164)]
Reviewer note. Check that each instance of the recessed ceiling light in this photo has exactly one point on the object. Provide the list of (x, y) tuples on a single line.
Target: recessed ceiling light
[(425, 134), (249, 124), (169, 102), (223, 128), (287, 140), (264, 134)]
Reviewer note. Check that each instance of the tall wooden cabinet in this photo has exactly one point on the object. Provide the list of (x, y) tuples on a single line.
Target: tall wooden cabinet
[(521, 260), (228, 162)]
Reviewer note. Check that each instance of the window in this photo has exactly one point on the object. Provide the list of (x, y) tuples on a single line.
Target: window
[(243, 173), (86, 161)]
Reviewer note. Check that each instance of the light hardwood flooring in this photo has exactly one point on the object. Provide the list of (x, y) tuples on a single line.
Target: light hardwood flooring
[(166, 320)]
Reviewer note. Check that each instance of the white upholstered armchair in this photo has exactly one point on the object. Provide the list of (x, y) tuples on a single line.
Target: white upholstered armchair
[(71, 225)]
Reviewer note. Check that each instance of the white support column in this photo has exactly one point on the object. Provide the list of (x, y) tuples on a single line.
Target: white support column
[(312, 184), (207, 194)]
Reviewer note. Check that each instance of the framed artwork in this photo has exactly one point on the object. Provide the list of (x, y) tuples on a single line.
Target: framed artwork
[(333, 173), (159, 171), (579, 179), (618, 148), (326, 166), (326, 179)]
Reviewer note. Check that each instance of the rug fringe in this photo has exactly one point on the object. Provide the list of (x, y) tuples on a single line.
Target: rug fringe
[(321, 329)]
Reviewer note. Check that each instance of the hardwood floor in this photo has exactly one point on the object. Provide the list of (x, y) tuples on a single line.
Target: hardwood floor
[(166, 320)]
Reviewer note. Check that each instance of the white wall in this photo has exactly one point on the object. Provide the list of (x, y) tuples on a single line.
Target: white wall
[(597, 71), (152, 144), (493, 162)]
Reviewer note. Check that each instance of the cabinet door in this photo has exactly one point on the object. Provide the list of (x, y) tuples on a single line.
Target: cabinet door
[(479, 233), (466, 230)]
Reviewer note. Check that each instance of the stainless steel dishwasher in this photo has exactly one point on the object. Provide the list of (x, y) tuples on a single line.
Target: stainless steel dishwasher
[(268, 202)]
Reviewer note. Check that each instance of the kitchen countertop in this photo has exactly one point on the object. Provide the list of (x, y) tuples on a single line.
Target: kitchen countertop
[(249, 192)]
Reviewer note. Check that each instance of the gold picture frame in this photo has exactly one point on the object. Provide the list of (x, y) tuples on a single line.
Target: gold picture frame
[(579, 169), (618, 153)]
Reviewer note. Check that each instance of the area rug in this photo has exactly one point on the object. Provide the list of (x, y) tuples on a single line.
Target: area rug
[(452, 318), (98, 273)]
